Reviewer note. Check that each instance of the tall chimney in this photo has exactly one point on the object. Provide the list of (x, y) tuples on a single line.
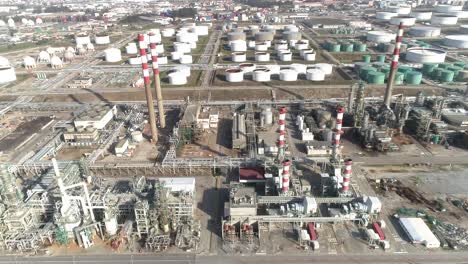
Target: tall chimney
[(157, 81), (282, 132), (393, 67), (149, 95), (339, 124), (347, 175), (286, 168)]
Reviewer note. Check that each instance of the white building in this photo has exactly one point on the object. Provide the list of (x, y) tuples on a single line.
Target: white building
[(97, 117), (374, 206), (418, 232)]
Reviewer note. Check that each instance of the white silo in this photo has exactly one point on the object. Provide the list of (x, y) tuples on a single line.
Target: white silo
[(281, 45), (301, 45), (425, 55), (261, 75), (262, 56), (185, 59), (299, 68), (309, 56), (285, 56), (234, 75), (44, 57), (186, 37), (177, 78), (288, 75), (39, 20), (315, 75), (11, 23), (134, 61), (29, 62), (112, 55), (131, 48), (183, 69), (442, 19), (238, 56), (251, 44), (325, 67), (7, 72), (102, 39), (200, 30), (155, 37), (262, 46), (238, 45), (182, 47), (90, 47), (82, 39), (175, 55), (56, 62), (68, 56)]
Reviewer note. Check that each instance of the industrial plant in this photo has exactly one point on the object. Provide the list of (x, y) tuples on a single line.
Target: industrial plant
[(234, 131)]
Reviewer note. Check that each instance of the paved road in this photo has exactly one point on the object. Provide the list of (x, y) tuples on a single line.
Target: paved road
[(441, 258)]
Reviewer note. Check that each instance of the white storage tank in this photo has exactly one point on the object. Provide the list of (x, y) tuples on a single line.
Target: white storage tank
[(7, 72), (385, 16), (44, 57), (441, 19), (236, 36), (464, 29), (281, 45), (251, 44), (288, 75), (137, 136), (131, 48), (82, 39), (200, 30), (28, 62), (325, 67), (247, 67), (448, 8), (274, 69), (168, 32), (285, 56), (261, 75), (183, 69), (400, 9), (302, 52), (422, 15), (301, 45), (177, 78), (289, 35), (406, 20), (156, 38), (238, 56), (102, 39), (234, 75), (424, 31), (262, 46), (299, 68), (309, 56), (380, 36), (175, 55), (134, 61), (238, 45), (162, 59), (185, 59), (111, 226), (262, 56), (90, 47), (56, 62), (186, 37), (425, 55), (182, 47), (457, 41), (112, 55), (459, 14), (264, 36), (315, 75)]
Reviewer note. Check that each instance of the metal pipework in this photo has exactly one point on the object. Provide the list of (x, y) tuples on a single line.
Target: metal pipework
[(393, 67), (157, 81), (149, 95)]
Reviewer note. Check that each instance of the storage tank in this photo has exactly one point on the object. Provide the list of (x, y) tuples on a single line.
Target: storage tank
[(400, 9), (264, 36), (7, 72), (177, 78), (301, 45), (380, 36), (315, 75), (168, 32), (441, 19), (131, 48), (413, 78), (463, 76), (102, 39), (406, 20), (274, 69), (186, 37), (292, 28), (262, 46), (364, 71), (375, 77), (238, 56), (185, 59), (200, 30), (251, 44), (385, 16), (281, 45), (112, 55), (459, 14), (446, 76), (288, 75), (360, 47), (366, 58), (428, 68), (238, 45), (423, 31), (425, 55), (90, 47), (299, 68), (457, 41), (182, 47), (289, 35), (28, 62), (347, 47), (183, 69), (56, 62), (236, 36), (309, 56), (464, 29), (247, 67), (262, 56), (175, 55), (381, 58), (325, 67), (82, 39), (285, 56), (234, 75), (448, 8), (261, 75), (267, 116), (421, 15), (68, 56), (399, 78), (134, 61)]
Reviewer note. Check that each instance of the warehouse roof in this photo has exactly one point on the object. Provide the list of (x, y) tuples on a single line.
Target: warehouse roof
[(419, 232)]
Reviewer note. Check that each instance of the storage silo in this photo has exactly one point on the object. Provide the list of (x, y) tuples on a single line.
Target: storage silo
[(238, 45), (424, 31), (264, 36), (413, 78), (315, 75), (262, 56), (261, 75), (234, 75), (236, 36), (177, 78), (442, 19), (7, 72), (376, 77), (102, 39), (112, 55), (288, 75), (238, 56)]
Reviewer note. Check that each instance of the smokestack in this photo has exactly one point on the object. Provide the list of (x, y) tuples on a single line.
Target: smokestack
[(149, 96), (157, 81), (347, 175), (339, 124), (282, 132), (286, 167), (393, 67)]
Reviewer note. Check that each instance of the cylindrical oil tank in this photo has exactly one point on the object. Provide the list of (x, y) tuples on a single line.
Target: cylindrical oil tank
[(262, 46), (137, 136), (200, 30), (442, 19), (175, 55), (279, 52), (425, 55), (112, 55), (102, 39), (421, 15), (238, 45), (111, 226), (457, 41), (238, 56), (274, 69), (185, 59), (436, 73), (183, 69), (406, 20), (381, 58), (444, 65), (380, 36), (267, 115), (459, 14), (400, 9), (162, 59), (247, 67), (168, 32), (386, 16), (325, 67), (82, 39), (302, 52), (288, 35), (386, 71), (292, 28), (234, 75), (261, 75), (236, 36), (131, 48), (285, 56), (366, 58), (315, 75), (300, 45), (455, 70), (264, 36), (460, 64), (262, 56), (182, 47), (463, 76), (376, 77), (156, 37), (428, 68), (186, 37), (360, 47), (387, 47), (364, 71), (281, 45), (177, 78), (446, 76), (299, 68), (425, 32), (448, 8), (292, 43), (334, 47), (399, 78), (413, 78), (347, 47), (309, 56), (288, 75), (404, 69), (134, 61)]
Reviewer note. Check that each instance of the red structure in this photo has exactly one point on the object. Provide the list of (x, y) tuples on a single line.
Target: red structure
[(378, 230), (347, 175), (312, 233), (286, 168)]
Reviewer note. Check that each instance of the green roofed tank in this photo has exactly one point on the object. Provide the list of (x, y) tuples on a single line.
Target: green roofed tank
[(428, 68), (446, 76), (360, 47), (436, 73), (376, 77), (347, 47), (399, 78), (365, 70), (366, 58), (413, 78), (381, 58)]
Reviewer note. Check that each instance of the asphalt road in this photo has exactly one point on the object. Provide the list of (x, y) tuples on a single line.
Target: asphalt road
[(445, 258)]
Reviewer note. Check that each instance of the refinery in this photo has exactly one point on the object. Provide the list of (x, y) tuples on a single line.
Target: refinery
[(236, 131)]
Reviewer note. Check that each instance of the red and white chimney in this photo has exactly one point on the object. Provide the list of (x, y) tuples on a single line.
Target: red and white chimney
[(339, 124), (282, 131), (286, 169), (347, 175), (144, 59)]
